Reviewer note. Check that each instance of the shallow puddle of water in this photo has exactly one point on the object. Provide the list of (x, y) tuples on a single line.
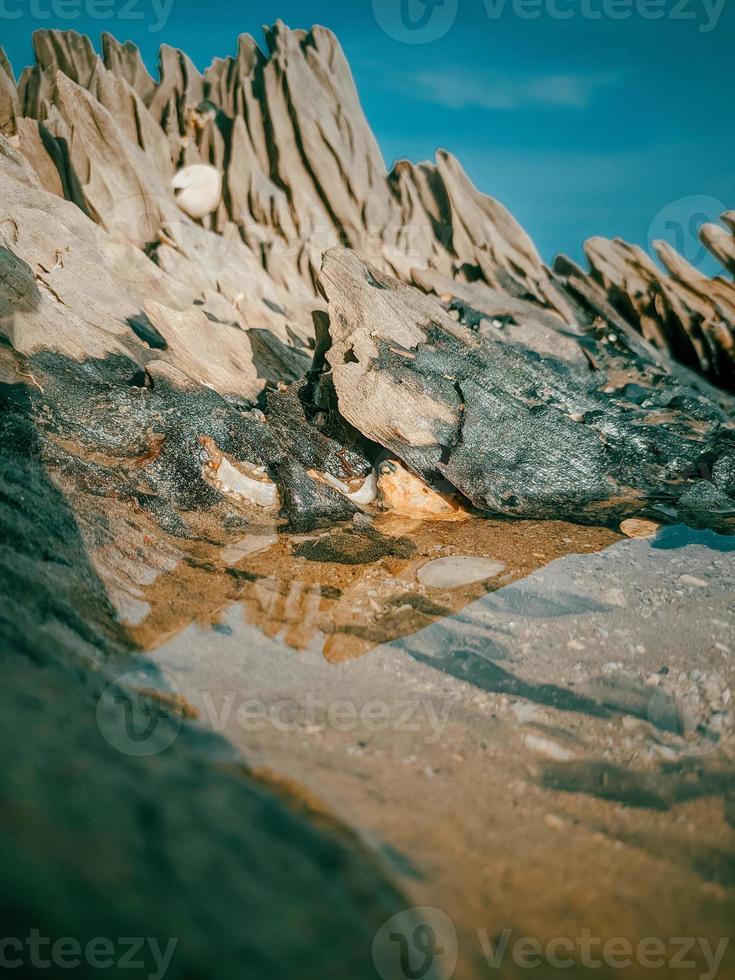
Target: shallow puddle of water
[(351, 588)]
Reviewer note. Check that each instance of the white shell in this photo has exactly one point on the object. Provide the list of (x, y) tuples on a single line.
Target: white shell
[(402, 492), (256, 491), (366, 493), (199, 189)]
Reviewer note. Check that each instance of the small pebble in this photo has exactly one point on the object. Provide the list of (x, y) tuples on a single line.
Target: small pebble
[(635, 527), (615, 597), (551, 820), (524, 711), (457, 570), (545, 746)]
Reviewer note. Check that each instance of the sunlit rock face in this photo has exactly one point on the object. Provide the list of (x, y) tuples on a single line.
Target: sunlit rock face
[(300, 171)]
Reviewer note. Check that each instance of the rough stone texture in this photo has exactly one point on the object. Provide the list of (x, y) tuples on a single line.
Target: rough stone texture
[(517, 433), (8, 97), (685, 313), (532, 392), (302, 172), (181, 844)]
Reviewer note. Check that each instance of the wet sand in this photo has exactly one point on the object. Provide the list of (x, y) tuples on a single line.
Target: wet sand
[(547, 751)]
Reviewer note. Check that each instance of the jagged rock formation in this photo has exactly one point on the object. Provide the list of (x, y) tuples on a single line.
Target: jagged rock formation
[(303, 172), (100, 264), (516, 434), (685, 313)]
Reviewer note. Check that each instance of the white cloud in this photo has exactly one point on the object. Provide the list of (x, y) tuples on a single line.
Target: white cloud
[(505, 92)]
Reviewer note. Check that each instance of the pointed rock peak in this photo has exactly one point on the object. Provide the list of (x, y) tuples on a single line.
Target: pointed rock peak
[(274, 34), (111, 45), (116, 52), (596, 246), (709, 230), (676, 264), (172, 59), (280, 38), (720, 243), (447, 163), (564, 266), (249, 54), (451, 170), (66, 51), (324, 41), (5, 66), (406, 168)]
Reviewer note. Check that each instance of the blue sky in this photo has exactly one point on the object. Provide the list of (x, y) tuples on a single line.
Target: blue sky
[(603, 121)]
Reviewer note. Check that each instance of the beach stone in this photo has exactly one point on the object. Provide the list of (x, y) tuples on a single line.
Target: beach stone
[(455, 571), (635, 527), (547, 747), (723, 475)]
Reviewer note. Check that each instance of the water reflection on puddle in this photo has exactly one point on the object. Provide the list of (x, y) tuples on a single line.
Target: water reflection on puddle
[(352, 588)]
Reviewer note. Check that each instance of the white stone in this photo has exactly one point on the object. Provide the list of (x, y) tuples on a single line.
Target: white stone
[(458, 570), (547, 747)]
